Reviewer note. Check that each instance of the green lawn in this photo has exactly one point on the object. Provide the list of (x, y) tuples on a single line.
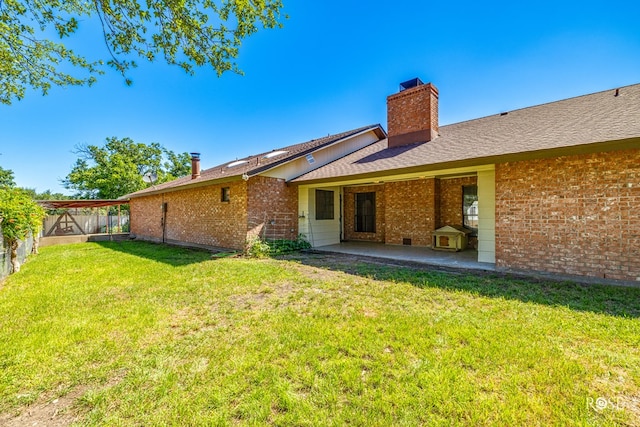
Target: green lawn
[(140, 334)]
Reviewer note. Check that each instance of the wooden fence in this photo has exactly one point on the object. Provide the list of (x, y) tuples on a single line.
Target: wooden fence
[(69, 225)]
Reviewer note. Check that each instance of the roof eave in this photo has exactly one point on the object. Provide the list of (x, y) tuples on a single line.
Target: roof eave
[(590, 148), (187, 186), (377, 129), (81, 203)]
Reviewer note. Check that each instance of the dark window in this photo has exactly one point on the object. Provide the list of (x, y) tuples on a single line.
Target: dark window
[(470, 207), (225, 197), (324, 204), (365, 221)]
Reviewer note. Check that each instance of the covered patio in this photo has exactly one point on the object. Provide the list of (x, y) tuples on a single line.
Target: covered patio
[(467, 259)]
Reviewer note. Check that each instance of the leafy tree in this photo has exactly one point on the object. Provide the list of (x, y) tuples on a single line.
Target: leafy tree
[(45, 195), (117, 168), (186, 33), (19, 217), (6, 178), (177, 165)]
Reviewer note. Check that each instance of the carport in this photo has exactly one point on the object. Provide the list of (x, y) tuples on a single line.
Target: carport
[(81, 221)]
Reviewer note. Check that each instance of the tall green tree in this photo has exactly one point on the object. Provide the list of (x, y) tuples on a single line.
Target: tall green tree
[(186, 33), (6, 178), (117, 168)]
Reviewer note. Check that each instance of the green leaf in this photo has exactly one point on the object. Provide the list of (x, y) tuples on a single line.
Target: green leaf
[(116, 169), (20, 214), (186, 33)]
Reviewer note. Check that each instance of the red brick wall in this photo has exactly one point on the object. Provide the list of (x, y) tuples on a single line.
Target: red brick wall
[(412, 115), (196, 216), (349, 214), (571, 215), (411, 209), (272, 208), (146, 217), (262, 206), (451, 200)]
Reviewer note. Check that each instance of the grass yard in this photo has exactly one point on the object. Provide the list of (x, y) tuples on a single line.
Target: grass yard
[(140, 334)]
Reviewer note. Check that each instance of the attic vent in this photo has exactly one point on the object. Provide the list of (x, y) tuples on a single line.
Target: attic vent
[(410, 83), (310, 159), (274, 154), (237, 163)]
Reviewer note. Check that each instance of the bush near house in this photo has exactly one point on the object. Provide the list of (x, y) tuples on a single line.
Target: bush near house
[(20, 217), (260, 248)]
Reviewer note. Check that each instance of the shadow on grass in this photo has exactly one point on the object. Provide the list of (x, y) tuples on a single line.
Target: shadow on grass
[(604, 299), (172, 255)]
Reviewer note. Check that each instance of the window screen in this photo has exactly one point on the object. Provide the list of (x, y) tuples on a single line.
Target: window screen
[(365, 221), (470, 206), (324, 204)]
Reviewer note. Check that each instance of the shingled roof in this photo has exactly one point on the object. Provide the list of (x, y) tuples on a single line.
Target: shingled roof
[(586, 123), (255, 164)]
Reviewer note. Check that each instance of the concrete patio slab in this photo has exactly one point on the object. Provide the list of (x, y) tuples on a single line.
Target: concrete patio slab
[(467, 259)]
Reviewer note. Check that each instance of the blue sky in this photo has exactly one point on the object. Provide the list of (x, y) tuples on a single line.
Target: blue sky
[(328, 70)]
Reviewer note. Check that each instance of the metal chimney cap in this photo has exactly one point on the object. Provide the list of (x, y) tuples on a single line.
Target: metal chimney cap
[(195, 155), (410, 83)]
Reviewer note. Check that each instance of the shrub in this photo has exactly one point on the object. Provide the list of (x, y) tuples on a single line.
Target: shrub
[(20, 216), (259, 248), (284, 246)]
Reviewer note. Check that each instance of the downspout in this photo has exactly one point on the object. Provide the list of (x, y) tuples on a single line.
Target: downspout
[(340, 219), (164, 218)]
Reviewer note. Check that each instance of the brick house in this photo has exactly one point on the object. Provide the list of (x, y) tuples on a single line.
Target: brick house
[(228, 204), (552, 188)]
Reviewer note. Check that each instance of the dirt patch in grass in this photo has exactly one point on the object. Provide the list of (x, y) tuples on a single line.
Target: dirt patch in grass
[(268, 297), (47, 411), (316, 273), (54, 409), (632, 404)]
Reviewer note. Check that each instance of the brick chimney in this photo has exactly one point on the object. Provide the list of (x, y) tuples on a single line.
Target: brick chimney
[(195, 165), (412, 113)]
